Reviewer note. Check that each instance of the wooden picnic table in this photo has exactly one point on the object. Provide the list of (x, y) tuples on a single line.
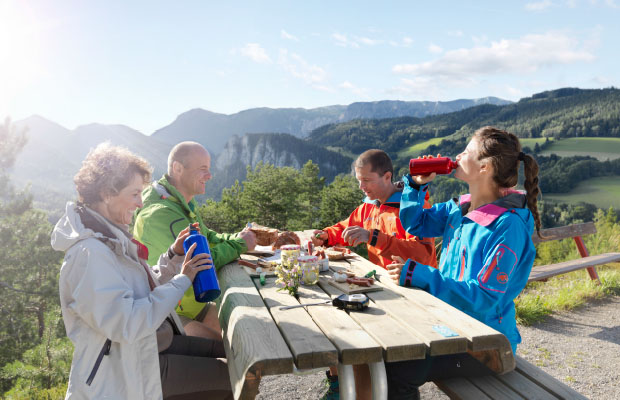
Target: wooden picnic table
[(400, 324)]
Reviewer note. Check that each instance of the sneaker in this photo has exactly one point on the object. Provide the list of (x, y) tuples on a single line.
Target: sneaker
[(333, 391)]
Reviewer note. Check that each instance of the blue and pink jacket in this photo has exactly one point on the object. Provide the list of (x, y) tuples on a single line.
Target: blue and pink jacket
[(486, 258)]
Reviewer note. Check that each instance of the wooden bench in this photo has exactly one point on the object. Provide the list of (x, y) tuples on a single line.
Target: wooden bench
[(525, 382), (576, 231)]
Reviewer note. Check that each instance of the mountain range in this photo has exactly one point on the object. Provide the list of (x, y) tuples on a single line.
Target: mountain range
[(213, 130), (54, 153)]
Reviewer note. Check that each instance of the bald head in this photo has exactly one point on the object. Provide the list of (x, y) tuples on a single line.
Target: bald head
[(189, 168), (183, 153)]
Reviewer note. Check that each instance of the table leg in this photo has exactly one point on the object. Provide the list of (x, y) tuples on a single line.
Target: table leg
[(346, 382), (378, 378)]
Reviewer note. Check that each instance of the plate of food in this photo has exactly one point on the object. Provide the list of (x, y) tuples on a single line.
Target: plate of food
[(255, 268), (335, 253), (349, 283)]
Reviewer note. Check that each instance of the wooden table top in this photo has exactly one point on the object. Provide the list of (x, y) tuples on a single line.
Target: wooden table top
[(399, 324)]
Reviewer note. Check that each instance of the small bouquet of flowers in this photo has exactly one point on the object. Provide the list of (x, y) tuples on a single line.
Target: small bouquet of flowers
[(289, 278)]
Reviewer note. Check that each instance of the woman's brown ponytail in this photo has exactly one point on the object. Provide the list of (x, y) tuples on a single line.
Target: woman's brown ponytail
[(530, 168), (504, 150)]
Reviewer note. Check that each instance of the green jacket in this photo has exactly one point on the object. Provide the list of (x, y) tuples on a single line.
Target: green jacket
[(164, 214)]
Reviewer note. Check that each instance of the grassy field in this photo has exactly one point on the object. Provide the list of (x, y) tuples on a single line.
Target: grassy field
[(601, 148), (342, 151), (604, 192), (418, 148), (531, 142), (564, 293)]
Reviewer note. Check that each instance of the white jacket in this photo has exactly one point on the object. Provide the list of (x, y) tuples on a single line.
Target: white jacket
[(105, 294)]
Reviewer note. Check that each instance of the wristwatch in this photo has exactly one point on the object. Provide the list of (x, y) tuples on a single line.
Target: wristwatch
[(172, 253), (375, 236)]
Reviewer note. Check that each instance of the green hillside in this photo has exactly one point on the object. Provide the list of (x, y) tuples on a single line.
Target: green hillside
[(604, 192), (418, 148), (562, 113), (601, 148)]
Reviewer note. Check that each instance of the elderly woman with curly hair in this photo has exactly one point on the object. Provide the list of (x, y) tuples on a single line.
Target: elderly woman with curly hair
[(118, 312)]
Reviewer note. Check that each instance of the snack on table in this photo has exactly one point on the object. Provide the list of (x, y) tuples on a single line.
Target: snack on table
[(368, 282), (284, 238), (334, 255), (344, 250), (264, 236)]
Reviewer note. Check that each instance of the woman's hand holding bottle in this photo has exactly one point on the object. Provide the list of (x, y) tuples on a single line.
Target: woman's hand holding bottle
[(193, 265), (424, 179)]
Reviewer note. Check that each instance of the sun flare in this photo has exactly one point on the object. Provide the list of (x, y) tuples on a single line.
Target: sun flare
[(19, 48)]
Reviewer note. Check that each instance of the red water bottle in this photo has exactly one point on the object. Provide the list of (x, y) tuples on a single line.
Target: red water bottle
[(426, 166)]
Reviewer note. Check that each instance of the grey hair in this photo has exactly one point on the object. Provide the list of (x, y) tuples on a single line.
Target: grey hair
[(106, 170)]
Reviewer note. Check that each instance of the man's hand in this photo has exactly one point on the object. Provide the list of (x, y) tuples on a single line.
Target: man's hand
[(355, 235), (249, 237), (319, 238), (424, 179), (395, 268), (177, 246)]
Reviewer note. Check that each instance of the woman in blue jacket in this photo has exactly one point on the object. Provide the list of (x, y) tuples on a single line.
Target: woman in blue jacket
[(487, 251)]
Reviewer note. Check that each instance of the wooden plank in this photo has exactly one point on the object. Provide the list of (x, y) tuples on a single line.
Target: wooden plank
[(310, 347), (252, 341), (564, 232), (397, 341), (411, 314), (354, 345), (545, 380), (547, 271), (526, 388), (480, 335), (485, 343), (461, 389), (494, 388), (420, 322)]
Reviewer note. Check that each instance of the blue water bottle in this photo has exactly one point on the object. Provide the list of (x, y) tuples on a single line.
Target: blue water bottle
[(206, 286)]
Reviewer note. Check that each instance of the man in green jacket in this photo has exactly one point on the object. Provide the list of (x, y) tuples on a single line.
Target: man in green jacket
[(169, 207)]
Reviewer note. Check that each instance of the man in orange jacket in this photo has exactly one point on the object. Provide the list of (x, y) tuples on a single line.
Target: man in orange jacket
[(376, 221)]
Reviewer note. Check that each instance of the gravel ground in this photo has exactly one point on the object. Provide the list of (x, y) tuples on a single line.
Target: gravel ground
[(580, 348)]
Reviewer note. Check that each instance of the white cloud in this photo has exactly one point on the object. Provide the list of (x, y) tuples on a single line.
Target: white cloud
[(299, 68), (526, 54), (406, 41), (455, 33), (480, 39), (368, 41), (344, 41), (538, 6), (285, 35), (433, 48), (514, 93), (353, 41), (420, 87), (256, 53), (354, 89)]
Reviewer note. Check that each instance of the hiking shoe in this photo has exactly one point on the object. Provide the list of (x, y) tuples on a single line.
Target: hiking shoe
[(333, 391)]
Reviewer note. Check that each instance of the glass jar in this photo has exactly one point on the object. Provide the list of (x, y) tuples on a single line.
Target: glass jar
[(309, 266), (289, 254)]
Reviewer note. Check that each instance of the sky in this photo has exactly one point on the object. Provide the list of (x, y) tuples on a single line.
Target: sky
[(142, 63)]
